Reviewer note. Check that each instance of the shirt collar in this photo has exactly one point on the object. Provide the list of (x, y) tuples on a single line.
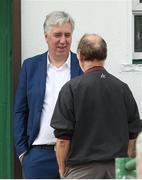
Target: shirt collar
[(67, 63)]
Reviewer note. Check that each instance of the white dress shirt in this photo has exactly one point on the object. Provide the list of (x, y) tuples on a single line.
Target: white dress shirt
[(56, 78)]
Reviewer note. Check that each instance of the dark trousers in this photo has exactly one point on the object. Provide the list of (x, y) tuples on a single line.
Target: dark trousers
[(40, 163)]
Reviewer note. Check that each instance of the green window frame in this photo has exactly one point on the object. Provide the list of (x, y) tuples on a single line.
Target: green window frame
[(137, 31)]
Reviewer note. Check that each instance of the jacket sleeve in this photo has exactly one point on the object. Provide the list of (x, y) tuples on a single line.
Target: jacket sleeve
[(63, 120), (21, 112), (132, 113)]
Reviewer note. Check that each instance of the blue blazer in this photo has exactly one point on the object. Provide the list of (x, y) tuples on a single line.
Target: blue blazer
[(29, 99)]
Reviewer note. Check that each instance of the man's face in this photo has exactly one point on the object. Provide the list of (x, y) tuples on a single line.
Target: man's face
[(59, 41)]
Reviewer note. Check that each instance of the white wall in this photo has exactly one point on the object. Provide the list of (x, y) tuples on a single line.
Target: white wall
[(112, 19)]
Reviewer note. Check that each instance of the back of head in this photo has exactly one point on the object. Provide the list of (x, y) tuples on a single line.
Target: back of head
[(92, 47), (57, 18)]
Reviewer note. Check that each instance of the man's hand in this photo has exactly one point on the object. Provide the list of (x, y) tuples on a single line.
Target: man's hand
[(132, 148), (21, 157), (62, 148)]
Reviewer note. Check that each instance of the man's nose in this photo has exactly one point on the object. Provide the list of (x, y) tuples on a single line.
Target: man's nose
[(63, 39)]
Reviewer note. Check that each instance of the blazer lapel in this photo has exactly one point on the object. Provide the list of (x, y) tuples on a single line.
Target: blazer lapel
[(42, 72), (75, 70), (42, 78)]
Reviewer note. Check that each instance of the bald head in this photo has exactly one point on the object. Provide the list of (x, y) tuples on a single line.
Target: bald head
[(92, 47)]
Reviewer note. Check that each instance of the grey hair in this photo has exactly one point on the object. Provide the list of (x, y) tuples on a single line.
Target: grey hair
[(57, 18)]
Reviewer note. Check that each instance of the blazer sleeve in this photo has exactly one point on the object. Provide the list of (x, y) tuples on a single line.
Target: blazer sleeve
[(21, 112), (63, 120)]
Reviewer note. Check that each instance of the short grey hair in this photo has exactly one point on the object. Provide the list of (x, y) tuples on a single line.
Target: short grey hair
[(57, 18)]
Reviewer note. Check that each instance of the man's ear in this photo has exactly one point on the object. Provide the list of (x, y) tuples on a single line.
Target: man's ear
[(81, 61), (45, 35), (80, 56)]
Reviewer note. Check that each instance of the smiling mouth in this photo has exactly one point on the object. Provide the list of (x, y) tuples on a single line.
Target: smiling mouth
[(62, 47)]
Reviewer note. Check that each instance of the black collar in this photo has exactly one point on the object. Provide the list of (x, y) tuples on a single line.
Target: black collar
[(95, 68)]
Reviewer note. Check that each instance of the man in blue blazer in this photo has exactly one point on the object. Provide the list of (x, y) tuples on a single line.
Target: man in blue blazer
[(41, 79)]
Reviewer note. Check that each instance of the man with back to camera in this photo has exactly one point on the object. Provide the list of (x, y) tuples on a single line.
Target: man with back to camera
[(96, 118), (41, 78)]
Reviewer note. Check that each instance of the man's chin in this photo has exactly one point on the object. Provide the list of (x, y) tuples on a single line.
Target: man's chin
[(63, 53)]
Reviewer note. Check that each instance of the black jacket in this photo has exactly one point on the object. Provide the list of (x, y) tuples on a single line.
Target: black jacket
[(99, 114)]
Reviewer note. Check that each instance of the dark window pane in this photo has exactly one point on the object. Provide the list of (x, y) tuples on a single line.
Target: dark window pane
[(140, 1), (138, 33)]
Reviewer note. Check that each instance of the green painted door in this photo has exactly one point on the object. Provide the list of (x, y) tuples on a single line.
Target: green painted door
[(6, 149)]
